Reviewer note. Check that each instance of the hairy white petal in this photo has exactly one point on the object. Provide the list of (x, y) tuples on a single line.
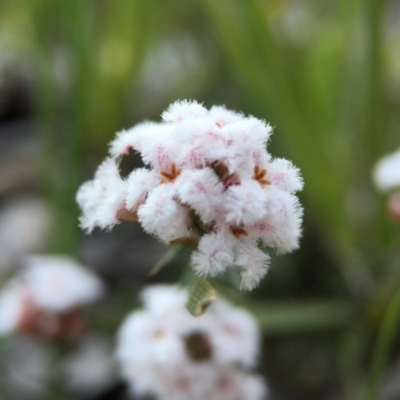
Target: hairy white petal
[(139, 182), (281, 227), (58, 283), (223, 117), (254, 263), (202, 191), (131, 138), (180, 110), (161, 215), (101, 198), (285, 175), (213, 255), (245, 203), (12, 305)]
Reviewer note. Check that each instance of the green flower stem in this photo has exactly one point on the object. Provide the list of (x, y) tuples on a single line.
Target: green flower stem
[(387, 335), (55, 389)]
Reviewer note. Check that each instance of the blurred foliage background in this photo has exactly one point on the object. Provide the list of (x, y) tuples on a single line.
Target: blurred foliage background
[(325, 74)]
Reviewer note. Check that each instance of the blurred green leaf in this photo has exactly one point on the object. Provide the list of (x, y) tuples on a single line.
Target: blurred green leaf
[(171, 254)]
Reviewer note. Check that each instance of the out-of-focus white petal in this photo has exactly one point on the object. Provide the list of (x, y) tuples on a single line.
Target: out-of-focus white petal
[(152, 350), (235, 336), (12, 306), (58, 283), (160, 298), (386, 173)]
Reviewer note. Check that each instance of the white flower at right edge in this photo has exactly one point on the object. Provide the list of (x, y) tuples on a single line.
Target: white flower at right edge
[(386, 176), (386, 173), (163, 351)]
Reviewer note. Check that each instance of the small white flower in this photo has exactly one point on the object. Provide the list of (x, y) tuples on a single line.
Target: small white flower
[(90, 369), (221, 116), (245, 203), (235, 336), (213, 256), (181, 110), (161, 215), (163, 351), (202, 191), (236, 385), (160, 298), (285, 175), (139, 183), (386, 173), (25, 224), (253, 261), (58, 283), (281, 228), (102, 198), (48, 286), (12, 306)]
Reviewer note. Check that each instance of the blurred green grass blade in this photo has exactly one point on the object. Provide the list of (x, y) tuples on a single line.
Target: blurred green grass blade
[(387, 336), (303, 316), (171, 254)]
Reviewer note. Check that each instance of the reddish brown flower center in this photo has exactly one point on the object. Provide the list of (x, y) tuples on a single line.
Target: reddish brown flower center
[(237, 231), (51, 325), (170, 176), (259, 175)]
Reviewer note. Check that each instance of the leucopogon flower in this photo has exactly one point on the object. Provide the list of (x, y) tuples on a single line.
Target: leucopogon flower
[(47, 296), (208, 179), (163, 351), (386, 176)]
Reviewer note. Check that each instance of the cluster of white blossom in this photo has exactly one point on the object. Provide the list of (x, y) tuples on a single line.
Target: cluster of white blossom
[(386, 175), (163, 351), (46, 297), (208, 178)]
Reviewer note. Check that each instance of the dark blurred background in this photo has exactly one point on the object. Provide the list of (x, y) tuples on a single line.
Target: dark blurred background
[(324, 73)]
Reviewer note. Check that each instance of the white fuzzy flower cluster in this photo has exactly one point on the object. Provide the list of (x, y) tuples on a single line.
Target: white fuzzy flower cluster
[(45, 297), (208, 178), (165, 352), (386, 173)]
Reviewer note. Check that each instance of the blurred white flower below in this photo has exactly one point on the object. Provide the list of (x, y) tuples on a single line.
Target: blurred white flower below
[(91, 369), (47, 296), (164, 351)]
